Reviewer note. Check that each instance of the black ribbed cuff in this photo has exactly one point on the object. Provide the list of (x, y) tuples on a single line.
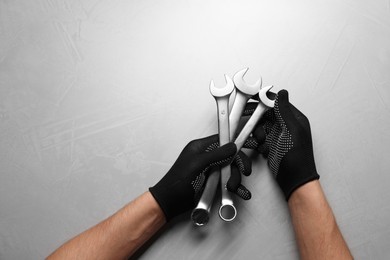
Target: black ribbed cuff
[(157, 196), (289, 183)]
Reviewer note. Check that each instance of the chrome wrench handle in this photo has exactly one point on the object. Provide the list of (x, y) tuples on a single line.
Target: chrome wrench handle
[(250, 125), (262, 106), (227, 211), (237, 109), (200, 214), (244, 91)]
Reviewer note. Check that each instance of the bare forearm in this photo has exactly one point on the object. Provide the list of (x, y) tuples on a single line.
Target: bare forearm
[(119, 236), (315, 226)]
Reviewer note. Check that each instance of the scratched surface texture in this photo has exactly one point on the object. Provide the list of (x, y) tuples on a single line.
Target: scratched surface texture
[(97, 99)]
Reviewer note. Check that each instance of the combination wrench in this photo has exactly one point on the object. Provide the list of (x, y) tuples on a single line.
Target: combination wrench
[(264, 104), (244, 91), (200, 215), (227, 211)]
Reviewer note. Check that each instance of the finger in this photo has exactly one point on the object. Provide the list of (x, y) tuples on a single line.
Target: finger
[(205, 144), (251, 143), (290, 115), (235, 179), (243, 163), (250, 108), (234, 184), (283, 98), (254, 144), (243, 192), (259, 133), (218, 156), (282, 108)]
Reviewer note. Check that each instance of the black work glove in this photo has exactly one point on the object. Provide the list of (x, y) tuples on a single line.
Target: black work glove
[(241, 165), (180, 189), (283, 136)]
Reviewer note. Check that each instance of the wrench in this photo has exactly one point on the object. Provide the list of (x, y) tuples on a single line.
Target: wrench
[(262, 106), (200, 214), (227, 211), (244, 91)]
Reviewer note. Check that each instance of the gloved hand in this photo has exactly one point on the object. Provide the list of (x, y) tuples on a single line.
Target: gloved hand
[(283, 136), (180, 189)]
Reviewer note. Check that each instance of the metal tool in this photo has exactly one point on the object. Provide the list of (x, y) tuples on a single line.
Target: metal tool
[(262, 106), (227, 211), (243, 92), (200, 215)]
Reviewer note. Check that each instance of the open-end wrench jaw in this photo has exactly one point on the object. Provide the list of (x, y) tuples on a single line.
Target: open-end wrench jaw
[(200, 214), (241, 85), (222, 92), (264, 104), (264, 98), (226, 123), (244, 92)]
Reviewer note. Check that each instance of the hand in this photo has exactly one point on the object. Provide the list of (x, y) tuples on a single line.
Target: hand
[(241, 165), (179, 190), (283, 136)]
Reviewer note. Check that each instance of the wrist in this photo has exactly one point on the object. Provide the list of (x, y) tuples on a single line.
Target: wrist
[(310, 191), (291, 177), (290, 184), (171, 200), (154, 206)]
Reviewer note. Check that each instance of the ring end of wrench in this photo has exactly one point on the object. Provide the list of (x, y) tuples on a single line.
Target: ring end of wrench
[(200, 217), (227, 212), (263, 96)]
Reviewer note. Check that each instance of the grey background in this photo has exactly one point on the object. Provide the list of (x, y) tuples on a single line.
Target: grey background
[(97, 99)]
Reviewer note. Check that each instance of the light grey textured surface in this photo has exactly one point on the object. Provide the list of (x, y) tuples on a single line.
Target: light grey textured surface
[(97, 99)]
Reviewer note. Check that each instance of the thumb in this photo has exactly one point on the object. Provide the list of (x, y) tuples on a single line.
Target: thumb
[(219, 156), (234, 185), (282, 107)]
